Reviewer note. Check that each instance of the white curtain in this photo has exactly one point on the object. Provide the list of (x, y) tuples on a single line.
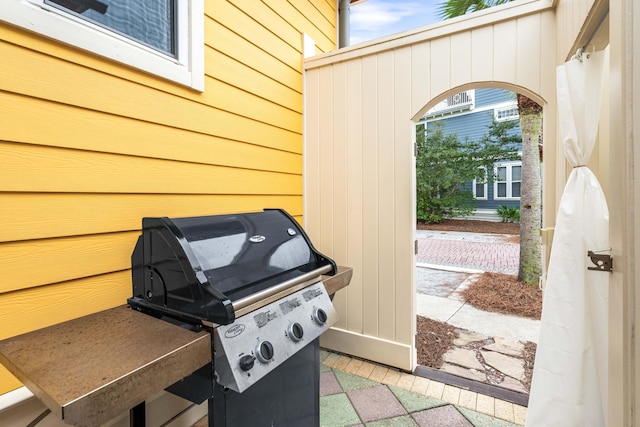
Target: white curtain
[(569, 387)]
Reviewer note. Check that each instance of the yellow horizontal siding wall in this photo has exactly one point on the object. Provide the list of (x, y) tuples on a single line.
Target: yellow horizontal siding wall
[(88, 147)]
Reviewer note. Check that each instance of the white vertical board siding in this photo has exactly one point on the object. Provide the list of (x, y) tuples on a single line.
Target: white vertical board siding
[(528, 61), (552, 186), (310, 155), (572, 16), (461, 59), (439, 73), (482, 49), (355, 185), (360, 164), (385, 174), (505, 51), (338, 171), (327, 143), (370, 197), (404, 184), (623, 84), (420, 61)]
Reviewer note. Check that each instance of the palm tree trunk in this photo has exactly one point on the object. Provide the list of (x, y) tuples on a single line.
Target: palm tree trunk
[(530, 265)]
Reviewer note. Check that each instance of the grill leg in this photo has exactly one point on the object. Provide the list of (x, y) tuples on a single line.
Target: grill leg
[(217, 406), (137, 416), (210, 412)]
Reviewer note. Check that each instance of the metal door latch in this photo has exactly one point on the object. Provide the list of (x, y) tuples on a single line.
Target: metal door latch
[(602, 262)]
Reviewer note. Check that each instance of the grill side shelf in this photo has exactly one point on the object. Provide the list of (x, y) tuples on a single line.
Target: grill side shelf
[(103, 364), (340, 280)]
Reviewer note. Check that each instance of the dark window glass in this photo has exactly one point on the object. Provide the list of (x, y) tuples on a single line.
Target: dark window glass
[(502, 189), (515, 189), (502, 173), (516, 173), (150, 22)]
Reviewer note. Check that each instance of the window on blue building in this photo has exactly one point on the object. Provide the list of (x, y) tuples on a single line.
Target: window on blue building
[(506, 112), (480, 187), (508, 181)]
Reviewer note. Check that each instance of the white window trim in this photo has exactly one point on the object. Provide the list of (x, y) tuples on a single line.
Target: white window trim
[(505, 106), (509, 181), (486, 188), (187, 69), (475, 182), (485, 191)]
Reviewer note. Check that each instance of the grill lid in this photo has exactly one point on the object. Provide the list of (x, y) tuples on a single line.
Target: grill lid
[(196, 268)]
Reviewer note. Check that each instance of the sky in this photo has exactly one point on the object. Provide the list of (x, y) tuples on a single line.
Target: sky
[(378, 18)]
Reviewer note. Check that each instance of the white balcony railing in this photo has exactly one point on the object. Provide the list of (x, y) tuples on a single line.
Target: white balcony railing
[(462, 101)]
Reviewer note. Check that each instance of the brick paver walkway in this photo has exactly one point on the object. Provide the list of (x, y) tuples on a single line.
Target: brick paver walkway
[(499, 257)]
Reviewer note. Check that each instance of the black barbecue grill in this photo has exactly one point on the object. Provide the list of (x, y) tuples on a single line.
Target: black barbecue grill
[(253, 281)]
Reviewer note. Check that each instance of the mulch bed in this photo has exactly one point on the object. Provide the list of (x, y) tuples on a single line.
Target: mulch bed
[(502, 293), (434, 340), (529, 357), (472, 226)]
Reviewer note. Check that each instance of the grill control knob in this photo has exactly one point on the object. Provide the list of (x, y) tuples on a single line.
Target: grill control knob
[(319, 316), (246, 362), (264, 351), (295, 332)]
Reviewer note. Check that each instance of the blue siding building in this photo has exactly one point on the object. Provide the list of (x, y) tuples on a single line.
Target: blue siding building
[(469, 114)]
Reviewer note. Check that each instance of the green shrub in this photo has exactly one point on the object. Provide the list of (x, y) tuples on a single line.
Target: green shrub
[(513, 214), (503, 213), (508, 213)]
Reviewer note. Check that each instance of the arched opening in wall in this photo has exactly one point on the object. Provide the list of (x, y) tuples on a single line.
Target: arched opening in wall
[(478, 192)]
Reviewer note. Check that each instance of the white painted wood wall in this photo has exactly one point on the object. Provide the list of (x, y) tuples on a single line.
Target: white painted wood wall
[(359, 164)]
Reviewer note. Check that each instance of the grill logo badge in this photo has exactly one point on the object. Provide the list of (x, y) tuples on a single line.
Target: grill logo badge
[(234, 331), (257, 238)]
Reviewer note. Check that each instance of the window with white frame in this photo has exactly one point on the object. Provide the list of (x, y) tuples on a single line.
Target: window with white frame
[(480, 187), (161, 37), (508, 181), (506, 112)]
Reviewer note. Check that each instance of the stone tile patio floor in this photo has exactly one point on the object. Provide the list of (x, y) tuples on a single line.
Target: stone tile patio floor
[(356, 392)]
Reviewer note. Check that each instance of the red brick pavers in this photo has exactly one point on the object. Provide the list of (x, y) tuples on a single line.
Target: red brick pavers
[(491, 255)]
